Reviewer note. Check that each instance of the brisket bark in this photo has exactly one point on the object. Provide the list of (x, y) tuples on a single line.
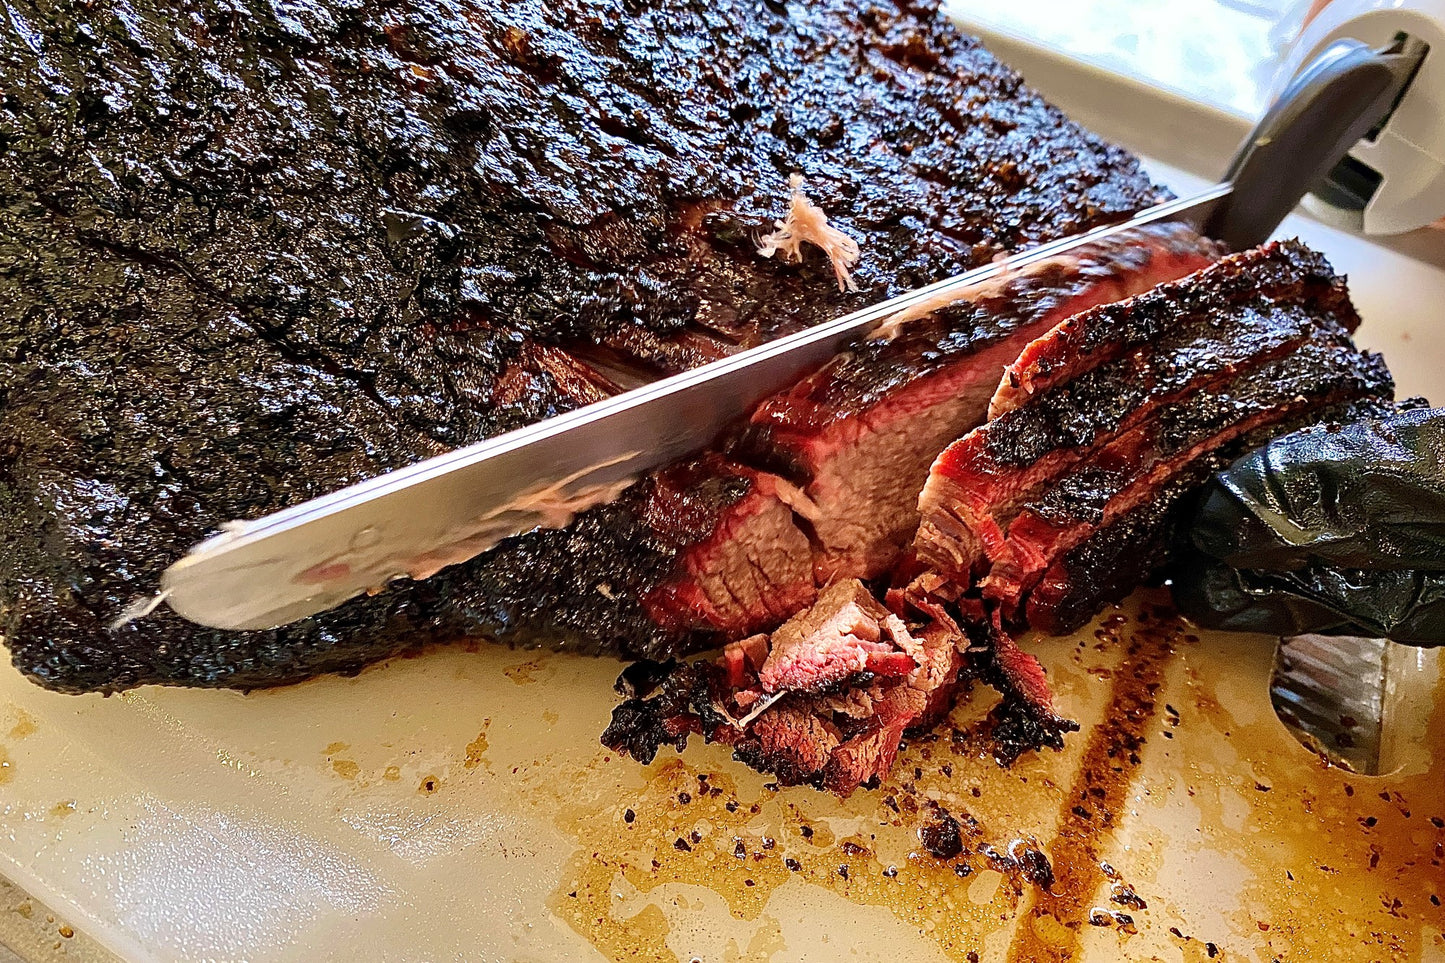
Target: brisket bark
[(1269, 276), (249, 254), (716, 550), (1103, 372), (710, 550), (1129, 471)]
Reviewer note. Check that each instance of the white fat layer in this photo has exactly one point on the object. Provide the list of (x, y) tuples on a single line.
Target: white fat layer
[(138, 609), (807, 224)]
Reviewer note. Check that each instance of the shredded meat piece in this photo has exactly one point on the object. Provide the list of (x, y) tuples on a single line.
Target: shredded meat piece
[(806, 223), (826, 700), (847, 633)]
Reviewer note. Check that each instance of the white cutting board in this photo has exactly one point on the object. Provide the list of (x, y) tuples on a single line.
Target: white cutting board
[(458, 806)]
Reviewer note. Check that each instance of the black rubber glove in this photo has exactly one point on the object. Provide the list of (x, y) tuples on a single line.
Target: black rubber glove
[(1338, 530)]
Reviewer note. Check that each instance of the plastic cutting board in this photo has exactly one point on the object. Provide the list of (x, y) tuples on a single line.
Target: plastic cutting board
[(457, 805)]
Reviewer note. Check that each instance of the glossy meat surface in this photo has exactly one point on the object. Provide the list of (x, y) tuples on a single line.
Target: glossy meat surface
[(252, 252), (1102, 372)]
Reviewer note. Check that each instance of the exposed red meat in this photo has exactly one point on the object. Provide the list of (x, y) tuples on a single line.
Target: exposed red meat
[(847, 633), (1072, 492), (667, 354), (1125, 361), (1025, 720), (566, 374), (1023, 672), (1063, 502), (1132, 469), (795, 740), (857, 437), (1119, 555), (742, 563), (828, 704), (1286, 272), (744, 659)]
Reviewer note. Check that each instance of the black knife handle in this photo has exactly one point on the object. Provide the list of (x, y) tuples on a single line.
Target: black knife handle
[(1329, 105)]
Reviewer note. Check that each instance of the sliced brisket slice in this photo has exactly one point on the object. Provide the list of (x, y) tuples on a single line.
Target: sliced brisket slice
[(742, 563), (1196, 341), (1131, 470), (1118, 556), (1276, 273), (825, 701), (1080, 487), (857, 437), (1063, 501), (845, 635)]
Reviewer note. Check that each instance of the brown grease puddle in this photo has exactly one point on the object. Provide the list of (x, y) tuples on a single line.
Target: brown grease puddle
[(22, 728), (24, 723), (477, 748), (1094, 803), (1191, 813)]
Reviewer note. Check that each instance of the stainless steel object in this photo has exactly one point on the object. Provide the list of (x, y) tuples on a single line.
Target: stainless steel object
[(306, 559), (1330, 692)]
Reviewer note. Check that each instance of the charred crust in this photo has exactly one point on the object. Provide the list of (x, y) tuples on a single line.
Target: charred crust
[(331, 244), (1017, 726)]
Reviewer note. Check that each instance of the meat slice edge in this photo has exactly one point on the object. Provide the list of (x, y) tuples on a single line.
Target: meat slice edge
[(1126, 440), (1279, 350), (1118, 556), (1286, 270), (1131, 470)]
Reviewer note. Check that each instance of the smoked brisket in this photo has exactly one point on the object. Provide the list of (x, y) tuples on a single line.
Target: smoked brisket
[(715, 550), (251, 253), (1068, 498)]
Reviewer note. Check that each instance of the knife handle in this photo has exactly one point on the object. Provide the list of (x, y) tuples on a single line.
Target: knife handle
[(1333, 102)]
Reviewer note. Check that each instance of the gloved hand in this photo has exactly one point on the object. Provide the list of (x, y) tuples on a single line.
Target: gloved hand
[(1331, 530)]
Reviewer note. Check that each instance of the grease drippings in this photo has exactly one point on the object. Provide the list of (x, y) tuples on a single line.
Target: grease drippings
[(744, 848), (1092, 805), (1326, 861)]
